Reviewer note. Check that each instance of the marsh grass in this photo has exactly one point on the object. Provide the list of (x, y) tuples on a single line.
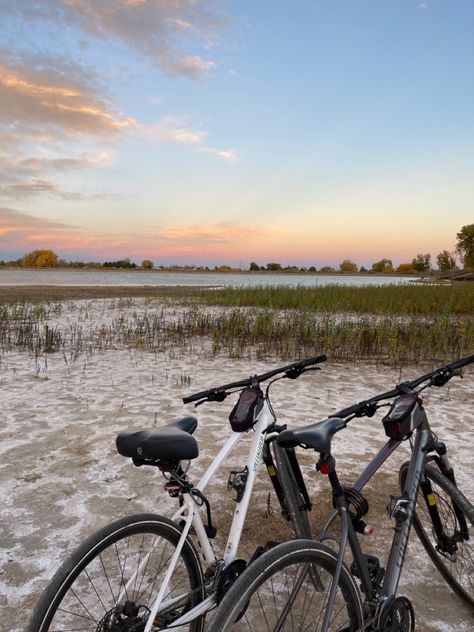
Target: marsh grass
[(235, 332), (389, 299)]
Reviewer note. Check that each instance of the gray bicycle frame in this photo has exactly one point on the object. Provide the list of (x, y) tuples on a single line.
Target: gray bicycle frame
[(420, 448)]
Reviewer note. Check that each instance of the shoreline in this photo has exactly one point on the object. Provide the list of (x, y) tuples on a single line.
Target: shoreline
[(78, 292)]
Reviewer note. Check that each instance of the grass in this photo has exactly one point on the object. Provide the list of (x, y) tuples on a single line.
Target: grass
[(236, 332), (454, 299)]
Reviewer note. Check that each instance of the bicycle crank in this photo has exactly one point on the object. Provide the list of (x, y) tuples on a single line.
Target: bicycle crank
[(397, 616)]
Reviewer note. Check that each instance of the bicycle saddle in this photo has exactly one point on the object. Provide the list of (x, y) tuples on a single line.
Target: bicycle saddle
[(172, 442), (317, 436)]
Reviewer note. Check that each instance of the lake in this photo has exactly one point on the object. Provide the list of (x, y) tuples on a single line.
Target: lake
[(71, 277)]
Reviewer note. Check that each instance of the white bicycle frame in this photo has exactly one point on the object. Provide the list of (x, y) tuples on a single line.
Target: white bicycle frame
[(189, 511)]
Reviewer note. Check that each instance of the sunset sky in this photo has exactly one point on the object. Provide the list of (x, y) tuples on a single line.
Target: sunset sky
[(199, 132)]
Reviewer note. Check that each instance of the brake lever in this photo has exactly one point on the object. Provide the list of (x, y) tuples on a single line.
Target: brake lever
[(295, 372), (216, 396)]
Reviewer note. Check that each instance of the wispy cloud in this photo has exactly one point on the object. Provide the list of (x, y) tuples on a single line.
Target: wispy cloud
[(56, 95), (177, 129), (160, 30), (20, 231), (221, 232), (423, 6)]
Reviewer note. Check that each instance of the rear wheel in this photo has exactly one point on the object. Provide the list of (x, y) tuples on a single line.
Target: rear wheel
[(109, 584), (277, 592), (453, 553), (293, 498)]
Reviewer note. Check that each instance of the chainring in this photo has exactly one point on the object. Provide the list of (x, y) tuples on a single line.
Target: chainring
[(398, 616), (228, 576)]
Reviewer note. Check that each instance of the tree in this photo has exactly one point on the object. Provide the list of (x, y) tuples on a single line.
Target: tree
[(40, 259), (147, 264), (254, 267), (384, 265), (327, 269), (348, 266), (465, 245), (405, 268), (421, 263), (446, 260), (273, 266)]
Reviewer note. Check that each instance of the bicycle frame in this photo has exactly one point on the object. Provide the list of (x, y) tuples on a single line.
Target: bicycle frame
[(189, 511), (403, 512)]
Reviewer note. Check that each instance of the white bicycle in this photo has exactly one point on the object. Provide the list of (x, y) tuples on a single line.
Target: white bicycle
[(147, 572)]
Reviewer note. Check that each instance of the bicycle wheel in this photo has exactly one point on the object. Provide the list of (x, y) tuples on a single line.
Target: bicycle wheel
[(276, 593), (293, 498), (454, 560), (110, 582)]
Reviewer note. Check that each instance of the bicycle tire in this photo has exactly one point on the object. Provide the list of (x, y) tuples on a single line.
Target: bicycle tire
[(278, 578), (292, 496), (86, 594), (457, 569)]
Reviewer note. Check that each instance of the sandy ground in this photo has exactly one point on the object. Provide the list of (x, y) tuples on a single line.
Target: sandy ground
[(61, 478)]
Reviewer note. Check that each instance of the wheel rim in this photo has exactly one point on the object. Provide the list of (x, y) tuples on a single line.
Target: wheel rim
[(288, 600), (116, 589), (459, 562)]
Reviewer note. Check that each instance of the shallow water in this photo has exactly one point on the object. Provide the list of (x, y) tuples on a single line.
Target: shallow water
[(141, 277)]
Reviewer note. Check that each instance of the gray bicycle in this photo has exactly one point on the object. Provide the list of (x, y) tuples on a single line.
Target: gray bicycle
[(307, 585)]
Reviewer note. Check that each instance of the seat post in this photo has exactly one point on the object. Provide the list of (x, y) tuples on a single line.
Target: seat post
[(327, 465)]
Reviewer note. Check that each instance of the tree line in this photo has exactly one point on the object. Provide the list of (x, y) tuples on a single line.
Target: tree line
[(463, 254)]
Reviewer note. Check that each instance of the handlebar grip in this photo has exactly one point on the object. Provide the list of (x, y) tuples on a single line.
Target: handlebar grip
[(457, 364), (315, 360)]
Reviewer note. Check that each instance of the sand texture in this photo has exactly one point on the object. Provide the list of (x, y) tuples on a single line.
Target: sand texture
[(61, 478)]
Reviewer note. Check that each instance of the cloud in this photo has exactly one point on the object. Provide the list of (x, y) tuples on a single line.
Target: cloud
[(17, 228), (21, 232), (219, 233), (36, 175), (229, 155), (177, 129), (56, 95), (174, 129), (423, 6), (159, 30)]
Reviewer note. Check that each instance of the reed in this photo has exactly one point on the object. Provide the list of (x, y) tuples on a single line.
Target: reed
[(236, 332), (390, 299)]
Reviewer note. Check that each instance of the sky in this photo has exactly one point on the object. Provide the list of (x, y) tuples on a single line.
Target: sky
[(223, 132)]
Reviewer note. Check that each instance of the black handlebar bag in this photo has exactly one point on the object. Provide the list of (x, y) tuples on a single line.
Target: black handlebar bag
[(244, 414), (406, 414)]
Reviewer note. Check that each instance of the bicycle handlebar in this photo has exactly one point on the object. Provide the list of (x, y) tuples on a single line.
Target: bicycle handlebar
[(219, 393), (438, 377)]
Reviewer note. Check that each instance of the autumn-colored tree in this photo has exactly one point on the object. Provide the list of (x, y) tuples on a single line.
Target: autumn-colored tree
[(465, 245), (40, 259), (384, 265), (348, 266), (147, 264), (405, 268), (446, 260), (327, 269)]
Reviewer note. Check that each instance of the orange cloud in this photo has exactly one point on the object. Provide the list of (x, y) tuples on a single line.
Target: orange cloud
[(63, 101), (205, 234)]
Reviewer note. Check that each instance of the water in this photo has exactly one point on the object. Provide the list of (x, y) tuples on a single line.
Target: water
[(142, 278)]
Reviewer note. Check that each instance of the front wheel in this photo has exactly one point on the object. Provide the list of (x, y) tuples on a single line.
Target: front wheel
[(450, 546), (277, 592), (292, 496), (110, 582)]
